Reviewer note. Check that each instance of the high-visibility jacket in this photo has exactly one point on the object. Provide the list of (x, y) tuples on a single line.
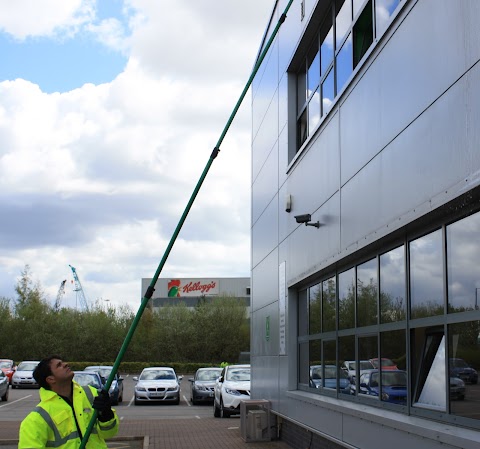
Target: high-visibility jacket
[(54, 423)]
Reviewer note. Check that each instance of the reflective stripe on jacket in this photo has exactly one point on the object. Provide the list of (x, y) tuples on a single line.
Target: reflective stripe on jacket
[(52, 423)]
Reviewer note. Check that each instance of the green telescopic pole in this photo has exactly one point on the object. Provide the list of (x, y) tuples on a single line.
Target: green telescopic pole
[(151, 287)]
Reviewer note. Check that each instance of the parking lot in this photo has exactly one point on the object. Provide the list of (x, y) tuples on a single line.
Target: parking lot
[(149, 426)]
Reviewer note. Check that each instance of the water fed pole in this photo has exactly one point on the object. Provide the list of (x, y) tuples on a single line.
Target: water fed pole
[(214, 154)]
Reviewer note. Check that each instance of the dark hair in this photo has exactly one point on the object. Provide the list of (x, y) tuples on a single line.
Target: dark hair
[(43, 370)]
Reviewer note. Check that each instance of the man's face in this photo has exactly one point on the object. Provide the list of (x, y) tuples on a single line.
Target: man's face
[(61, 371)]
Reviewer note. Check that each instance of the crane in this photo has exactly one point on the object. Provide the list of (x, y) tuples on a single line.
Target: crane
[(79, 290), (61, 292)]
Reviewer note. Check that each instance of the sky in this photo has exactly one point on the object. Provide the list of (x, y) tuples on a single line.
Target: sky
[(109, 111)]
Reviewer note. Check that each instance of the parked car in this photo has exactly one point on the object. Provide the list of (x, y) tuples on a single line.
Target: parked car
[(157, 384), (116, 388), (349, 366), (394, 385), (457, 388), (202, 386), (4, 384), (85, 378), (330, 378), (8, 367), (231, 387), (461, 369), (387, 364), (23, 375)]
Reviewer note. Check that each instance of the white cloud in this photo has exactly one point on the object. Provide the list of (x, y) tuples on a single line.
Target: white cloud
[(98, 177)]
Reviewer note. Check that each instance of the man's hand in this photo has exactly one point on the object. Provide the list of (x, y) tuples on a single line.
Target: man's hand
[(104, 406)]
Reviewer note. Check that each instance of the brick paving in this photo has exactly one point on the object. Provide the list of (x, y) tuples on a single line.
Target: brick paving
[(188, 433)]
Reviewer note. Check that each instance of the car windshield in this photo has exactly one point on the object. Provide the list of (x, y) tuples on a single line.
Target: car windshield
[(365, 365), (390, 379), (208, 375), (238, 374), (85, 379), (27, 366), (157, 375), (5, 364)]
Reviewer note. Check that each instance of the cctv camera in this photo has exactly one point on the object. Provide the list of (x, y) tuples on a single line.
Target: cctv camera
[(305, 218)]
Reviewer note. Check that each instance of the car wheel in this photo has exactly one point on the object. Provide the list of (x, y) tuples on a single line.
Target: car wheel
[(194, 402), (216, 410), (5, 396), (225, 413)]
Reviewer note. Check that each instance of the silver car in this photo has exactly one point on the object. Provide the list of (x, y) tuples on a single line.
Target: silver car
[(203, 385), (157, 384), (23, 376), (4, 384)]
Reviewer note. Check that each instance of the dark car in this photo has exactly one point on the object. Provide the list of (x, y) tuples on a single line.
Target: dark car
[(203, 385), (394, 385), (461, 369), (116, 388)]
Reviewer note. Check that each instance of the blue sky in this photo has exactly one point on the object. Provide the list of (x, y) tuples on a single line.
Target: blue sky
[(109, 111)]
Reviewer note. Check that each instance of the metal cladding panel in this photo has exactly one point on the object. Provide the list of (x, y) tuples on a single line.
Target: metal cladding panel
[(314, 179), (268, 84), (265, 233), (265, 331), (282, 155), (265, 186), (265, 372), (289, 33), (266, 138), (419, 62), (265, 282), (430, 157), (309, 248)]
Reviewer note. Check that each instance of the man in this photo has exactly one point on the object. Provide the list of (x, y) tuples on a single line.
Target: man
[(65, 410)]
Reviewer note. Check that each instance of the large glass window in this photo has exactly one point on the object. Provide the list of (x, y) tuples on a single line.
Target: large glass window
[(345, 34), (367, 293), (426, 276), (315, 363), (392, 286), (463, 257), (464, 363), (346, 299)]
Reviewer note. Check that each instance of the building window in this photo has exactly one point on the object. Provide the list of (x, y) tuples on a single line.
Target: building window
[(344, 36), (426, 362)]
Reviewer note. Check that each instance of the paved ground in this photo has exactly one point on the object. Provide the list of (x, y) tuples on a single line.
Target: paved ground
[(167, 434)]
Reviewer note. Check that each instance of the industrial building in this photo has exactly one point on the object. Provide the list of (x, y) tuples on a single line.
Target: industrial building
[(365, 224)]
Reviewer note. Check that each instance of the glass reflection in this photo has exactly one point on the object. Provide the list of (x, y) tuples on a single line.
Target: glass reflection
[(463, 260), (301, 88), (330, 361), (313, 112), (328, 93), (464, 364), (346, 356), (315, 308), (393, 357), (302, 313), (383, 13), (302, 129), (344, 63), (357, 6), (367, 290), (426, 276), (329, 304), (346, 299), (326, 46), (392, 286), (303, 365), (313, 74), (315, 361), (343, 20)]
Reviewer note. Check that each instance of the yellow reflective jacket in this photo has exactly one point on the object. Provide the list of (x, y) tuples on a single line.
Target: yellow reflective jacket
[(52, 423)]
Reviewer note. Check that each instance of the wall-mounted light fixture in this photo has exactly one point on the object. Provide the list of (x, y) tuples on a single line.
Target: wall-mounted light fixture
[(288, 203), (307, 219)]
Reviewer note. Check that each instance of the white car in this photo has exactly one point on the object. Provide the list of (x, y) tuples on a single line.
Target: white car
[(23, 376), (350, 366), (157, 384), (231, 387)]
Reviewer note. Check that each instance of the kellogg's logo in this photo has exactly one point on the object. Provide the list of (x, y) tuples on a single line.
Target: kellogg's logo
[(192, 287)]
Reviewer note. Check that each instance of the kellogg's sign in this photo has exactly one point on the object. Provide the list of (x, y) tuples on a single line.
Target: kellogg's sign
[(178, 288)]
